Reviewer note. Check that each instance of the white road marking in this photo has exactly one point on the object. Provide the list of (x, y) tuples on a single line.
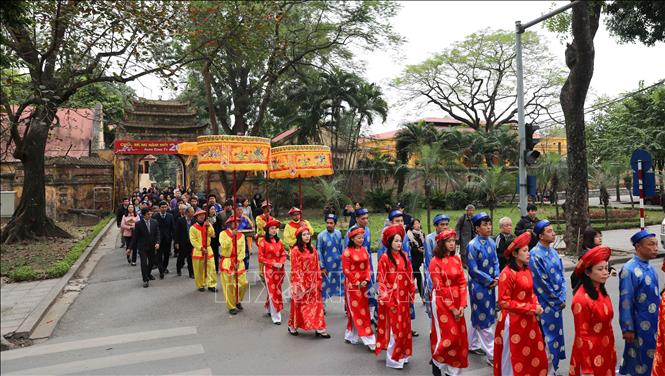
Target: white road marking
[(114, 361), (96, 342)]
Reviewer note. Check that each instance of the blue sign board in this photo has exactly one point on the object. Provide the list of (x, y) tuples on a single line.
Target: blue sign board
[(641, 154), (649, 184), (531, 188)]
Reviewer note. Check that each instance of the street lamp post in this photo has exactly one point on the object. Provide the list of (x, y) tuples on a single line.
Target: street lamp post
[(519, 30)]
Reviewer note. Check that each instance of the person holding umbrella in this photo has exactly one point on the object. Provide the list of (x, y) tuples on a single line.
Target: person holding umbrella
[(232, 267), (200, 236), (293, 225)]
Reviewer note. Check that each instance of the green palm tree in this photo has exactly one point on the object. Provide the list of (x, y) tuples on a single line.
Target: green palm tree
[(493, 182), (407, 141), (552, 171)]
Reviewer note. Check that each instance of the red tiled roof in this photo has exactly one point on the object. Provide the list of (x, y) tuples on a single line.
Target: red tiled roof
[(384, 135), (71, 137), (284, 134)]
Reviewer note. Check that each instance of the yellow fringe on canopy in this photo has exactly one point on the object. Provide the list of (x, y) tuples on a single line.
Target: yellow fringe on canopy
[(300, 161)]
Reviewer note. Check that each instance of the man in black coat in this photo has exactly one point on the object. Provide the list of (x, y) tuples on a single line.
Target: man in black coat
[(182, 245), (527, 222), (166, 228), (146, 240), (466, 231)]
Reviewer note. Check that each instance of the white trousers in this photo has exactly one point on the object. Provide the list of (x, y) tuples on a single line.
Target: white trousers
[(399, 364), (506, 364), (447, 369), (274, 315), (482, 339), (353, 337)]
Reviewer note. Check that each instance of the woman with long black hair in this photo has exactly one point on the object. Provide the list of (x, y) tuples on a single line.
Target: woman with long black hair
[(396, 291), (272, 258), (417, 242), (519, 348), (448, 341), (593, 348), (590, 238), (306, 281)]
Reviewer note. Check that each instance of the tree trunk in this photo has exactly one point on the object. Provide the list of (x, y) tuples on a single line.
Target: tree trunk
[(618, 189), (29, 220), (207, 82), (580, 60)]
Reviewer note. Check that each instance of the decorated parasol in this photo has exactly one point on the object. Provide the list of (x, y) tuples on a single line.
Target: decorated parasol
[(300, 161), (233, 153), (190, 149)]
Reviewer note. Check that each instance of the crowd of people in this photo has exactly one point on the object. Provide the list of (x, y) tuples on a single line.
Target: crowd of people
[(513, 284)]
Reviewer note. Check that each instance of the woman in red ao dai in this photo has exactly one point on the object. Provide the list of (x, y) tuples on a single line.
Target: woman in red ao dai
[(272, 258), (448, 338), (396, 293), (519, 348), (356, 267), (593, 348), (306, 310)]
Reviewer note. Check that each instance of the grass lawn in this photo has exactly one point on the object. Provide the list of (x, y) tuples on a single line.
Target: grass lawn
[(26, 261), (544, 211)]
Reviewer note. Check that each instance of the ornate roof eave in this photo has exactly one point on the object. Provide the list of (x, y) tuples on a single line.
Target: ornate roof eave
[(165, 127)]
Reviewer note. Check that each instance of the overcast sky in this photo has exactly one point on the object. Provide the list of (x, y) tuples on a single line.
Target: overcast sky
[(429, 27)]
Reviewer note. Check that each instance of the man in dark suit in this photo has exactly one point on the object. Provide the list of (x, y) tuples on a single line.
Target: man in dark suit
[(166, 228), (146, 239), (181, 239)]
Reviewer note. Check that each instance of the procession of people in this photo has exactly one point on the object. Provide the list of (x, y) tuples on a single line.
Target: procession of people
[(513, 288)]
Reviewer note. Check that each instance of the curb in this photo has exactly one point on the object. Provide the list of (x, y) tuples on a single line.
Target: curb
[(33, 319)]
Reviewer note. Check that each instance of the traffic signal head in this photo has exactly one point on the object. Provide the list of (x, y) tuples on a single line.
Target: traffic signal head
[(531, 155)]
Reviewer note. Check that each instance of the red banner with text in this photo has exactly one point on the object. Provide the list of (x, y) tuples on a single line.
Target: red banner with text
[(145, 147)]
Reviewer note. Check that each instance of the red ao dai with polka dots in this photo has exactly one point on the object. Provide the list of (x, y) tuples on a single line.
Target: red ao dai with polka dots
[(448, 339), (306, 311), (593, 348), (355, 264), (396, 293), (518, 306), (270, 253)]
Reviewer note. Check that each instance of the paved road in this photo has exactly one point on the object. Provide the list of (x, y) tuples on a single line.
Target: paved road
[(117, 327)]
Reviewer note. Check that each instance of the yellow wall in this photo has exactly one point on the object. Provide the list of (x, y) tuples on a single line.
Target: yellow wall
[(549, 144)]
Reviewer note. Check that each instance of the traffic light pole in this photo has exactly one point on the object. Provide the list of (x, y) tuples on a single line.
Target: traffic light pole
[(519, 30)]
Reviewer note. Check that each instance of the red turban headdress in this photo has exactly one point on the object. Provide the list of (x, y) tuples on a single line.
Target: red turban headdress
[(521, 241), (593, 257), (390, 232), (446, 234)]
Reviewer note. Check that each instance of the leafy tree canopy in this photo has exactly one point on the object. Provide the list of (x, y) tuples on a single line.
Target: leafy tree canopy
[(474, 80)]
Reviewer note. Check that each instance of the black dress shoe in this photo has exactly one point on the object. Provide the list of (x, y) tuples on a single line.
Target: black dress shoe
[(212, 289), (278, 323), (293, 332), (129, 260), (234, 311), (436, 371), (239, 306), (161, 275), (166, 271), (414, 333), (150, 277), (191, 276), (145, 284), (133, 263), (179, 274), (202, 289), (322, 335)]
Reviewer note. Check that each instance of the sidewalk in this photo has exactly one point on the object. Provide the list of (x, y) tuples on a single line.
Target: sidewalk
[(23, 304), (619, 241), (19, 300)]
